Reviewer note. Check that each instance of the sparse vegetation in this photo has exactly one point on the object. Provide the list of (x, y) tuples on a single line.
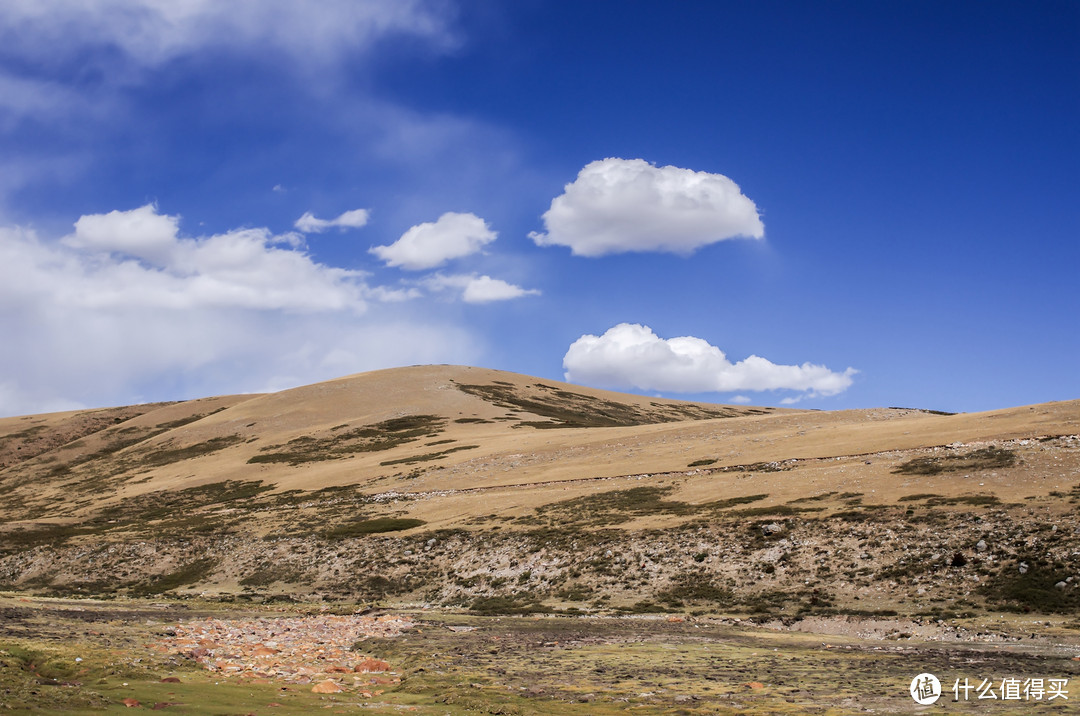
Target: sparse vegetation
[(515, 603), (613, 507), (339, 445), (188, 574), (360, 528), (981, 459), (564, 409), (1030, 584), (271, 574), (426, 457)]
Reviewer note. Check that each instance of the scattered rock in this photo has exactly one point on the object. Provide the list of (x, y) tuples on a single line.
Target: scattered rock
[(771, 528), (981, 545), (1061, 585), (1023, 568), (370, 665), (326, 687)]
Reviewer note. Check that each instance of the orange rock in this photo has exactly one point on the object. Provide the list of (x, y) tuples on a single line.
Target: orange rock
[(130, 703), (676, 620), (326, 687), (369, 665), (756, 685)]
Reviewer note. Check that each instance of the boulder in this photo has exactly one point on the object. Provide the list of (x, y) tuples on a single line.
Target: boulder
[(326, 687), (371, 665)]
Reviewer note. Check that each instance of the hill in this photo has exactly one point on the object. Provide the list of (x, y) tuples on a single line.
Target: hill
[(498, 491)]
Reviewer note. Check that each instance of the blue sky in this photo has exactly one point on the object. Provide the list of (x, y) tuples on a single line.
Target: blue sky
[(827, 205)]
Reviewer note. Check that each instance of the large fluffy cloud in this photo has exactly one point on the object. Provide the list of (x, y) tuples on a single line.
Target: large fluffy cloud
[(633, 356), (310, 224), (137, 257), (432, 244), (126, 309), (620, 205)]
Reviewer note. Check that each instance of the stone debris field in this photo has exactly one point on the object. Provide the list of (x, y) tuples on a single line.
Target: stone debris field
[(295, 650)]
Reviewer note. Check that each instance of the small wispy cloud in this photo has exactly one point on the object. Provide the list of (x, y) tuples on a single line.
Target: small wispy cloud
[(310, 224), (477, 289)]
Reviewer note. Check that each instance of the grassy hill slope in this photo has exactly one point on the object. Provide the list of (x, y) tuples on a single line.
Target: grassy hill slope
[(498, 491)]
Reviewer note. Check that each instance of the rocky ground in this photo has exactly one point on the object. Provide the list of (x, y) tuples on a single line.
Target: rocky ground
[(823, 556), (87, 656)]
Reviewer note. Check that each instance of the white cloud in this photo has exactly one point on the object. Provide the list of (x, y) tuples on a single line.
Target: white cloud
[(110, 315), (243, 268), (486, 289), (477, 289), (354, 219), (432, 244), (621, 205), (151, 32), (632, 356), (142, 233)]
